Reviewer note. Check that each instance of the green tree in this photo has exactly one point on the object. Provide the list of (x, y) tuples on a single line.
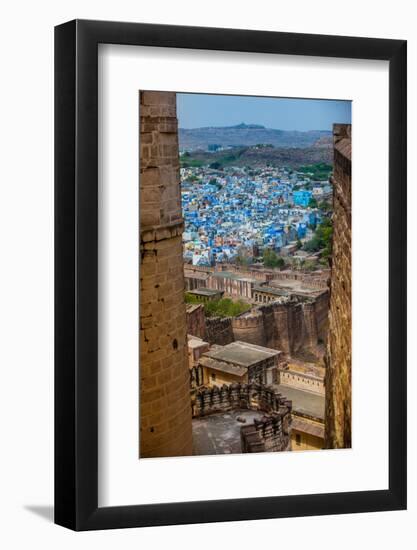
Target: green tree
[(325, 206), (244, 255), (322, 239), (271, 259)]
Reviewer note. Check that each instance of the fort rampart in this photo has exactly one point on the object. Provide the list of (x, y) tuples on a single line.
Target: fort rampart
[(338, 372), (271, 433), (286, 325), (165, 412)]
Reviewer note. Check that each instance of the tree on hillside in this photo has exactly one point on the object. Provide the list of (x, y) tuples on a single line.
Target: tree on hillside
[(244, 256), (322, 239), (271, 259)]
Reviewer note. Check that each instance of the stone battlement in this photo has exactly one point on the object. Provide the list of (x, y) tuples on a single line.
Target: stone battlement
[(288, 325), (270, 434), (252, 320), (240, 396), (219, 330)]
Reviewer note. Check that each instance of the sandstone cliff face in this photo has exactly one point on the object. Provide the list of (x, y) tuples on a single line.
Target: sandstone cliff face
[(338, 374), (165, 410)]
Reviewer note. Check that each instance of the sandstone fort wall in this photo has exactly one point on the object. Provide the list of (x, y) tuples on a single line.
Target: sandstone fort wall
[(338, 373), (288, 325), (165, 410), (196, 321)]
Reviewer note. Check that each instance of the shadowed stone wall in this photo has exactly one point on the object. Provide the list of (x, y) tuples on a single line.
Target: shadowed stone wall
[(219, 330), (338, 374), (165, 408), (196, 320), (288, 325)]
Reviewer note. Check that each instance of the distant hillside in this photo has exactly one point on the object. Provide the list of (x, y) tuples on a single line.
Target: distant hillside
[(247, 135), (260, 156)]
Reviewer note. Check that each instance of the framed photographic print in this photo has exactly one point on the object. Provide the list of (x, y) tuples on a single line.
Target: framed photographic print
[(230, 275)]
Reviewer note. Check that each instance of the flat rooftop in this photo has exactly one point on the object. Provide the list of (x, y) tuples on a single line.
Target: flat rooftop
[(192, 307), (271, 290), (241, 353), (303, 401), (289, 286), (195, 342), (200, 275), (203, 291), (221, 366)]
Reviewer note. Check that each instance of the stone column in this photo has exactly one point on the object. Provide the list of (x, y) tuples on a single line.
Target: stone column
[(338, 375), (165, 404)]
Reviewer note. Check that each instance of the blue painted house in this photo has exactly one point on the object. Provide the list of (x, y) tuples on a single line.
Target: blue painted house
[(302, 197)]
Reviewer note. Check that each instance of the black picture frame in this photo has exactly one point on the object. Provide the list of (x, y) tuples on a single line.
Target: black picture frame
[(76, 271)]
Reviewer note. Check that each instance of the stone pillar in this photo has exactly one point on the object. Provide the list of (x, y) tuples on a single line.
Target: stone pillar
[(338, 375), (165, 405)]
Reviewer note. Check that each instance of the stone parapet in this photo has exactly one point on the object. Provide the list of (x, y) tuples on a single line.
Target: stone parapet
[(270, 434), (240, 396)]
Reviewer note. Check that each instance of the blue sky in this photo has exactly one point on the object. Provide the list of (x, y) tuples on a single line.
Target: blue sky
[(199, 110)]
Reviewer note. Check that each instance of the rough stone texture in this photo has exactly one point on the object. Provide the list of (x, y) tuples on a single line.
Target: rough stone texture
[(250, 328), (338, 374), (239, 396), (219, 330), (196, 320), (289, 325), (165, 409), (272, 433)]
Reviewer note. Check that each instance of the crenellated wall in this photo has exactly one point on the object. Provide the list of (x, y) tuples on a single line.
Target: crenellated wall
[(250, 328), (240, 396), (270, 434), (219, 330), (288, 325), (339, 350)]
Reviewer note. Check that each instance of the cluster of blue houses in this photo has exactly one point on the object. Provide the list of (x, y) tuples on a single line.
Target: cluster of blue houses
[(229, 213)]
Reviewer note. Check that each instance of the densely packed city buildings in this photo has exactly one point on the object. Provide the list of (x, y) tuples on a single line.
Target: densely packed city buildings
[(234, 213)]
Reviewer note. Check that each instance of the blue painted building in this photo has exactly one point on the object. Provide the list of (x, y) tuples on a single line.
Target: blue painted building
[(301, 230), (302, 197)]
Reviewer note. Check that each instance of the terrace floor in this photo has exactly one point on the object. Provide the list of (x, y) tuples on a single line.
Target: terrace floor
[(219, 433)]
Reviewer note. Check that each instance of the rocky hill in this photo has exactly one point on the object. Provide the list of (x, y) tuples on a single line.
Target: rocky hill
[(248, 135)]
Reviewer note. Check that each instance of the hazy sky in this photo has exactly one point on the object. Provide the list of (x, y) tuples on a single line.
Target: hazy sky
[(199, 110)]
